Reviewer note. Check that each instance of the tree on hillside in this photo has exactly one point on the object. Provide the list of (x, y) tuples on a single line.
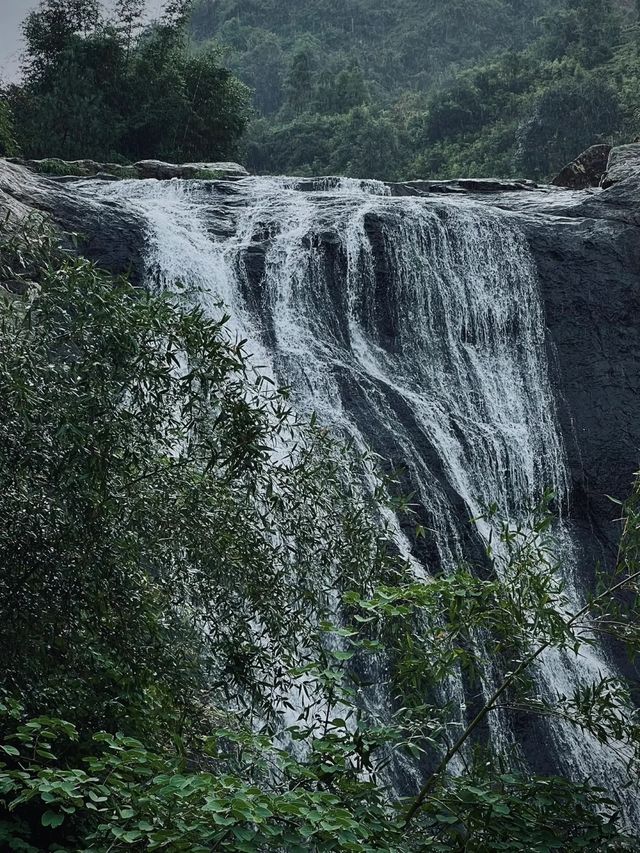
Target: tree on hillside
[(341, 91), (129, 19), (300, 84), (49, 30), (264, 69), (111, 88), (566, 119), (8, 145)]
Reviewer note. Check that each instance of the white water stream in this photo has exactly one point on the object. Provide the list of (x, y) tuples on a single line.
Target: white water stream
[(414, 326)]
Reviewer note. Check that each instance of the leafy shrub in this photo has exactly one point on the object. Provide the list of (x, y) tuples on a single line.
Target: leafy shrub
[(200, 609)]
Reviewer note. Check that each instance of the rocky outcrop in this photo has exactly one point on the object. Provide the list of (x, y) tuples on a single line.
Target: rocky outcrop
[(461, 186), (586, 170), (65, 170), (56, 168), (166, 171), (108, 235), (590, 275), (624, 162)]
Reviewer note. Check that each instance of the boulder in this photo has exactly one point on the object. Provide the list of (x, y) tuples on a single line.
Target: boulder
[(162, 171), (586, 170), (624, 162), (227, 170)]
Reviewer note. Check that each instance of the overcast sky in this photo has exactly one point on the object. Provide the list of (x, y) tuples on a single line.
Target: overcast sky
[(12, 13)]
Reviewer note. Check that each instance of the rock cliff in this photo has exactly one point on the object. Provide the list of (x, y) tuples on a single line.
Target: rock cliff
[(587, 248)]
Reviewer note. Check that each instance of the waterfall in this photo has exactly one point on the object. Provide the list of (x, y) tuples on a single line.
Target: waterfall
[(414, 327)]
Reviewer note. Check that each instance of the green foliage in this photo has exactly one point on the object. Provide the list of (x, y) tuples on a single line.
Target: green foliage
[(398, 46), (8, 146), (442, 89), (359, 142), (461, 88), (105, 88), (125, 795), (53, 166), (566, 119), (135, 467), (200, 610)]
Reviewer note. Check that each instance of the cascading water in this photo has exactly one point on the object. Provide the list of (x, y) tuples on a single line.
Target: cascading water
[(415, 327)]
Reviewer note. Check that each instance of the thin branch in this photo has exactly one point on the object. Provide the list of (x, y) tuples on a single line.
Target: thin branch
[(493, 699)]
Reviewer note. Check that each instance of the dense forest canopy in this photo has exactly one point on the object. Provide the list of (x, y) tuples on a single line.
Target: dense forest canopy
[(429, 88), (105, 85), (415, 88)]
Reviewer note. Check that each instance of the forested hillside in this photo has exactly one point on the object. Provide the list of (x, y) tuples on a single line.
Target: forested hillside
[(98, 81), (433, 88)]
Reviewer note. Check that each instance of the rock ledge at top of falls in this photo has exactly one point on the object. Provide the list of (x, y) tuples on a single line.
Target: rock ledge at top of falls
[(461, 186), (70, 170), (457, 186), (109, 235), (166, 171), (624, 162)]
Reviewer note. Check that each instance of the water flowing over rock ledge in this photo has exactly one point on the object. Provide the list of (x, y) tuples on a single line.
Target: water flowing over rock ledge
[(386, 295), (587, 249)]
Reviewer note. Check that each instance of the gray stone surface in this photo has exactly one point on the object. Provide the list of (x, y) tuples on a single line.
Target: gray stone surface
[(586, 170), (68, 170), (107, 234), (461, 185), (166, 171), (624, 162)]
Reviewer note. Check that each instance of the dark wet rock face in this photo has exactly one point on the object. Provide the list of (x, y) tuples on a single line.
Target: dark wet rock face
[(590, 275), (107, 234), (586, 170), (589, 267)]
